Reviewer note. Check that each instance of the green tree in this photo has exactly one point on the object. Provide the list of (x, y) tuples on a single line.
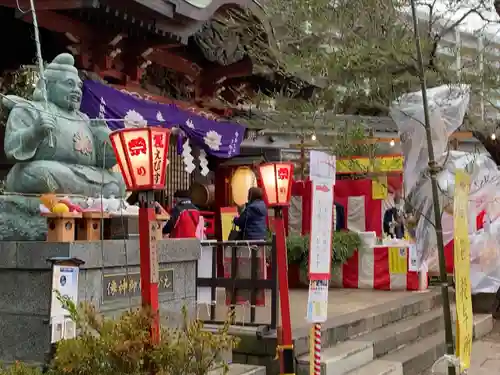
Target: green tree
[(354, 57)]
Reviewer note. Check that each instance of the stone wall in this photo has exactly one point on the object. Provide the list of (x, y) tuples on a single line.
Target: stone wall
[(25, 286)]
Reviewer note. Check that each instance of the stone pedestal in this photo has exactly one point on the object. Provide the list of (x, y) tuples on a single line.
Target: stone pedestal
[(109, 279)]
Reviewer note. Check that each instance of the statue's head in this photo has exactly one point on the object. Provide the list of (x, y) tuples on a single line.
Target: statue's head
[(64, 86)]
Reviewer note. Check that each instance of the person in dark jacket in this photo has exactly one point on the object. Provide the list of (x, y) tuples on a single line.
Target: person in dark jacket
[(252, 220), (394, 225), (340, 219), (182, 203)]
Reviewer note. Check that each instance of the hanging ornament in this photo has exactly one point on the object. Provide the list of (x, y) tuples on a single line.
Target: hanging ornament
[(102, 108), (203, 163), (187, 157)]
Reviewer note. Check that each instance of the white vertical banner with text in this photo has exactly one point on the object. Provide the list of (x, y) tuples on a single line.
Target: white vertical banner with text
[(320, 245), (65, 284), (322, 175)]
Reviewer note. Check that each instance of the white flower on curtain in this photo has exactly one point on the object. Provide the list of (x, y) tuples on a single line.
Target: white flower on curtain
[(134, 119), (189, 123), (213, 140), (159, 117)]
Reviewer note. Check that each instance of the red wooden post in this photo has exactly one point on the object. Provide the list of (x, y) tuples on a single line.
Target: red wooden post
[(277, 185), (149, 261), (287, 356), (279, 343)]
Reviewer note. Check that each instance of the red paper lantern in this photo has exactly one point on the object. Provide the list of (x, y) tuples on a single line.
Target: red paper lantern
[(277, 182), (142, 155)]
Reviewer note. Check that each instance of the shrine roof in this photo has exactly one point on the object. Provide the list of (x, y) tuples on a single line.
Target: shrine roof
[(275, 122), (181, 17)]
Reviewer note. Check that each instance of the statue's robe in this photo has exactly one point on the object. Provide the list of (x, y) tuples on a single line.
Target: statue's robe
[(78, 162)]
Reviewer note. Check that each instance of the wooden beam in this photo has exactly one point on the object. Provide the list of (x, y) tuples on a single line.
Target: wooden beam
[(119, 76), (167, 46), (174, 62), (242, 68), (132, 61), (60, 24), (462, 135), (46, 4), (84, 60), (214, 77), (456, 135)]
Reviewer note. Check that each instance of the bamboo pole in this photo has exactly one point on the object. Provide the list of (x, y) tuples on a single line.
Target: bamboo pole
[(433, 171)]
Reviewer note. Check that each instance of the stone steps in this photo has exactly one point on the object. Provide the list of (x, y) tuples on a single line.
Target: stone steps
[(379, 367), (349, 326), (400, 337), (403, 340), (351, 354), (260, 350), (239, 369), (418, 356)]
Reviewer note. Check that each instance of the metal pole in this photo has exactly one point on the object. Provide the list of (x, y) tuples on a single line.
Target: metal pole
[(43, 84), (435, 197), (149, 260)]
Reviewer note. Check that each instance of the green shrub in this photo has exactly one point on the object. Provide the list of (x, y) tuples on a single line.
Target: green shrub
[(107, 346), (19, 368), (345, 243)]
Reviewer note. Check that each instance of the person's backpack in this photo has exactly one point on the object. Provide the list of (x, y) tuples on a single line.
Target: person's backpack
[(187, 225), (200, 228)]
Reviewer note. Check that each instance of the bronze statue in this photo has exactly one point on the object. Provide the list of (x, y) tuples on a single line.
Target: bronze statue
[(57, 148)]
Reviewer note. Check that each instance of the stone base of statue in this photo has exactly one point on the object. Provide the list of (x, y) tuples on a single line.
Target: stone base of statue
[(108, 280), (20, 219)]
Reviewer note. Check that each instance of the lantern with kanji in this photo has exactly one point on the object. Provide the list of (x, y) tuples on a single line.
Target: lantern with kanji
[(142, 155), (277, 183)]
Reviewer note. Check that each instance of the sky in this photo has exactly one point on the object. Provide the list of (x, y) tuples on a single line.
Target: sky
[(473, 22)]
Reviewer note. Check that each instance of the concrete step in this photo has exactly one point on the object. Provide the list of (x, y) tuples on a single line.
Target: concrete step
[(261, 349), (379, 367), (239, 369), (341, 328), (401, 333), (349, 355), (340, 358), (415, 358)]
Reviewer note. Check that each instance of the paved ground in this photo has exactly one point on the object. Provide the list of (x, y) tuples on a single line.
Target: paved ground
[(341, 301), (485, 356)]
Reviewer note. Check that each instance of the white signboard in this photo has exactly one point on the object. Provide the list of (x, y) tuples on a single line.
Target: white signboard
[(204, 294), (413, 258), (322, 165), (317, 301), (322, 173), (320, 248), (64, 281)]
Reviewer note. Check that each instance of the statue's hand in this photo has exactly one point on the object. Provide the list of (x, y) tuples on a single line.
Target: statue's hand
[(46, 123)]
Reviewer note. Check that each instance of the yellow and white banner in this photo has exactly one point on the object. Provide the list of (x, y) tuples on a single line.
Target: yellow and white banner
[(462, 270)]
